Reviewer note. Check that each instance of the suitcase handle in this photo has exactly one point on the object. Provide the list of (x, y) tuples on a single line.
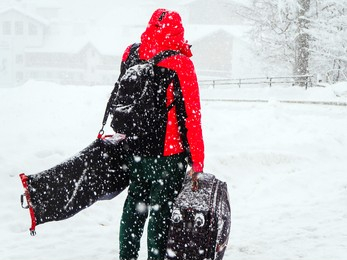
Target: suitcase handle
[(22, 202), (195, 185), (195, 179)]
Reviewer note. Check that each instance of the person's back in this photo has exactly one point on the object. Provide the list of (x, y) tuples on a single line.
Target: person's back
[(159, 160)]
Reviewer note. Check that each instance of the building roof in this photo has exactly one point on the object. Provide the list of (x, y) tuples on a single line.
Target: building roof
[(197, 32), (25, 13), (72, 38)]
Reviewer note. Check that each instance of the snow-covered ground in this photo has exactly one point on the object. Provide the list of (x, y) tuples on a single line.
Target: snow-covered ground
[(285, 165)]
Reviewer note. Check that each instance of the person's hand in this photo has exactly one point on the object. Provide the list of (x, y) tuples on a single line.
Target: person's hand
[(195, 179)]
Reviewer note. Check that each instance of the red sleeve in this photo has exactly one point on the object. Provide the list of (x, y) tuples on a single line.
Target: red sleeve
[(189, 85), (191, 95)]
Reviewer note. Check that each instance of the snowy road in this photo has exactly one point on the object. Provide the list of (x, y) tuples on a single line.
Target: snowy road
[(285, 165)]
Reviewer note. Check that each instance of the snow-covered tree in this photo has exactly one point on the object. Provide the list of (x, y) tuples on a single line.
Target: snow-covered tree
[(301, 37), (328, 32)]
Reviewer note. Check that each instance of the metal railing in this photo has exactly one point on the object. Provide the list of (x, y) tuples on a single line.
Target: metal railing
[(302, 80)]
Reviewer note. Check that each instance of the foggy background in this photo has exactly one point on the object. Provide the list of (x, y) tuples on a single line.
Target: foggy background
[(282, 150), (81, 42)]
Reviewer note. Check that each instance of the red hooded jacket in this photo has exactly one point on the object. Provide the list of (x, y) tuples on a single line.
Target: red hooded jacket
[(165, 32)]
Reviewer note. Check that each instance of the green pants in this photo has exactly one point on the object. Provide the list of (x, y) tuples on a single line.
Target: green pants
[(154, 183)]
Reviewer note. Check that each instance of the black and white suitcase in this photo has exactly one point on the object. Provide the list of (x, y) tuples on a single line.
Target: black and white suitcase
[(200, 222)]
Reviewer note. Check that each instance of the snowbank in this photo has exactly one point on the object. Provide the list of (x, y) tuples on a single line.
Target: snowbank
[(285, 165), (328, 94)]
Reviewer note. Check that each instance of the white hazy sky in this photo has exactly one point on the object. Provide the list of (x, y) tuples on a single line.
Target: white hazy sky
[(125, 12)]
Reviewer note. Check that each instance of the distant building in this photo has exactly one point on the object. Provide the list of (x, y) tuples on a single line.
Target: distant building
[(36, 44), (212, 52), (213, 12), (26, 53), (19, 30)]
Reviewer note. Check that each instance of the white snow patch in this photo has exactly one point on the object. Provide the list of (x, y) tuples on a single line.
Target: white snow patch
[(285, 166)]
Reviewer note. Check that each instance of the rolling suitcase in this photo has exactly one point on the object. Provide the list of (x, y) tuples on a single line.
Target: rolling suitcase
[(200, 222), (97, 172)]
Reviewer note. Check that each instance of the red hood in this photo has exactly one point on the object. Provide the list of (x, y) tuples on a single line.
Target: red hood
[(164, 32)]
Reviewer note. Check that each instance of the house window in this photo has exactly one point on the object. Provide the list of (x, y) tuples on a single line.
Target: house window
[(33, 29), (6, 27), (34, 75), (19, 75), (19, 59), (49, 75), (19, 28)]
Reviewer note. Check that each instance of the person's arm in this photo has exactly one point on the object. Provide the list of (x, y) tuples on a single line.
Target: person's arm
[(190, 90)]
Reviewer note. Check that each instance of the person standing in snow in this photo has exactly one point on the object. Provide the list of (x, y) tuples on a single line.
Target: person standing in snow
[(158, 165)]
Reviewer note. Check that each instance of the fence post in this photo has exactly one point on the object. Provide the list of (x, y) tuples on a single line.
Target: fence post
[(270, 82), (239, 83), (213, 83)]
